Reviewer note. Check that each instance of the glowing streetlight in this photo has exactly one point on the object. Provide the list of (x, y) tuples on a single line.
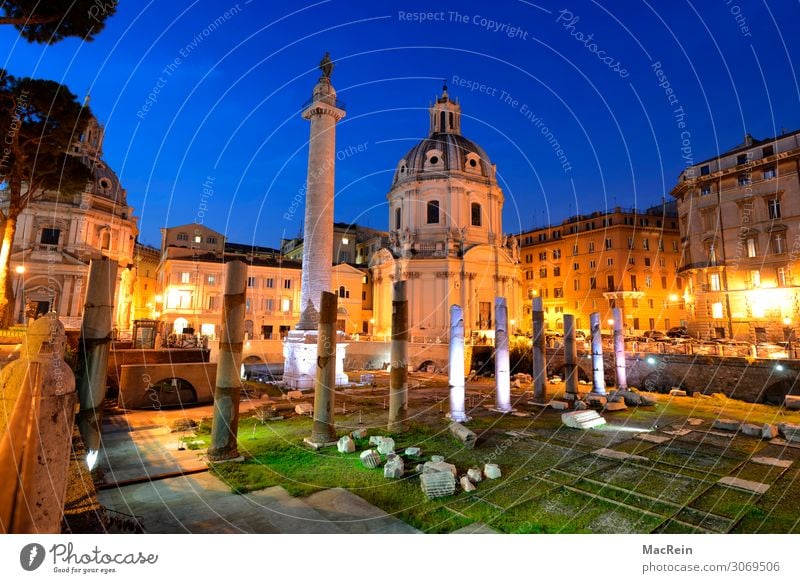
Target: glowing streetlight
[(673, 297), (20, 269), (787, 321)]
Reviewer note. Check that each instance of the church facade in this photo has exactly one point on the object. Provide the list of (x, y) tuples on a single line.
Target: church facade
[(446, 236)]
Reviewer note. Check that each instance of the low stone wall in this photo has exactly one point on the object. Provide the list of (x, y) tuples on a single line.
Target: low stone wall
[(117, 358), (139, 385)]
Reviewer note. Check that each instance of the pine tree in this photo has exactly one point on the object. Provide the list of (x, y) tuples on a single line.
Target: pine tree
[(50, 21)]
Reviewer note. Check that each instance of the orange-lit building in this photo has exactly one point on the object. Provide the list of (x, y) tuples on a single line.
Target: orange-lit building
[(739, 216), (624, 258)]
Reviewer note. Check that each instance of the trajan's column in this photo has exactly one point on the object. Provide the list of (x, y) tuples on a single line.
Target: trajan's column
[(300, 347)]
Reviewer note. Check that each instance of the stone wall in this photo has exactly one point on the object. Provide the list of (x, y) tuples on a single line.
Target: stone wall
[(149, 386)]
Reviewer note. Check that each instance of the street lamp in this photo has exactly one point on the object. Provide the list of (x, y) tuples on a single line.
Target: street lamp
[(20, 271)]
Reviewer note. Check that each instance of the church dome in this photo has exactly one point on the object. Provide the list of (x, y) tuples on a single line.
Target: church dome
[(105, 182), (445, 150)]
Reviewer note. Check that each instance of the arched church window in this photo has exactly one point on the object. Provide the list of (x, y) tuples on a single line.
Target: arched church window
[(397, 218), (433, 212), (343, 292), (105, 240), (442, 121), (476, 214)]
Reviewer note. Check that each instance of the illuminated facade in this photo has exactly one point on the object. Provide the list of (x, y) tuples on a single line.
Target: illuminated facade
[(57, 237), (190, 286), (740, 220), (592, 263), (446, 236)]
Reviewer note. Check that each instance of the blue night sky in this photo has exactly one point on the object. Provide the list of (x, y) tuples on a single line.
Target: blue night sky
[(227, 110)]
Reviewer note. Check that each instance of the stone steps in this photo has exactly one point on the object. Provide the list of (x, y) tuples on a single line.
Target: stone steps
[(586, 419)]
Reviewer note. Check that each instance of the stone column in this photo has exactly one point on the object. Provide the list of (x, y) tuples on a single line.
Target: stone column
[(539, 366), (570, 356), (457, 409), (225, 423), (502, 367), (398, 377), (619, 349), (598, 371), (323, 431)]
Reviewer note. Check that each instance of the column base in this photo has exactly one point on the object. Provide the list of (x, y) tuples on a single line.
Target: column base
[(458, 417), (300, 364), (315, 445)]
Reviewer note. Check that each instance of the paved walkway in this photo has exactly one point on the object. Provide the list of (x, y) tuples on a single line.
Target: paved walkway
[(169, 490)]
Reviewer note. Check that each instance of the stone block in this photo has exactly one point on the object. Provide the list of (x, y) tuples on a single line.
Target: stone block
[(677, 393), (694, 422), (618, 455), (580, 406), (492, 471), (467, 485), (595, 400), (359, 433), (582, 419), (437, 458), (386, 446), (768, 431), (464, 435), (413, 451), (740, 484), (304, 409), (652, 437), (394, 468), (432, 467), (370, 458), (375, 439), (437, 484), (346, 444), (294, 395), (616, 406), (634, 399), (726, 424), (771, 461), (559, 405), (790, 432), (475, 475), (792, 402), (751, 429)]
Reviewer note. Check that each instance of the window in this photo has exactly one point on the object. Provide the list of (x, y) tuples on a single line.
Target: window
[(344, 292), (251, 282), (661, 244), (557, 271), (558, 292), (556, 254), (211, 240), (576, 284), (397, 218), (631, 260), (183, 237), (633, 282), (269, 283), (363, 296), (433, 212), (248, 304), (542, 255), (528, 258), (705, 190), (648, 281), (476, 214), (662, 262), (212, 302), (779, 243), (741, 159), (576, 266), (769, 172), (705, 170), (750, 247), (287, 284), (592, 283), (774, 207), (211, 279), (186, 277), (646, 244), (675, 246), (709, 220), (591, 246), (782, 278), (608, 244), (650, 305), (716, 310), (610, 282), (50, 236), (714, 282), (542, 272), (711, 251), (529, 274), (575, 249), (647, 262), (630, 242), (269, 304), (592, 264), (767, 151), (286, 305), (755, 278), (197, 239), (744, 179), (610, 261), (663, 282)]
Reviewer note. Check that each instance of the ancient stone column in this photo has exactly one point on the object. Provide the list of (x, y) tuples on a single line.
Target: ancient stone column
[(570, 356), (539, 367), (323, 431), (598, 371), (398, 376), (225, 422), (502, 367), (619, 349), (457, 408), (299, 350)]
